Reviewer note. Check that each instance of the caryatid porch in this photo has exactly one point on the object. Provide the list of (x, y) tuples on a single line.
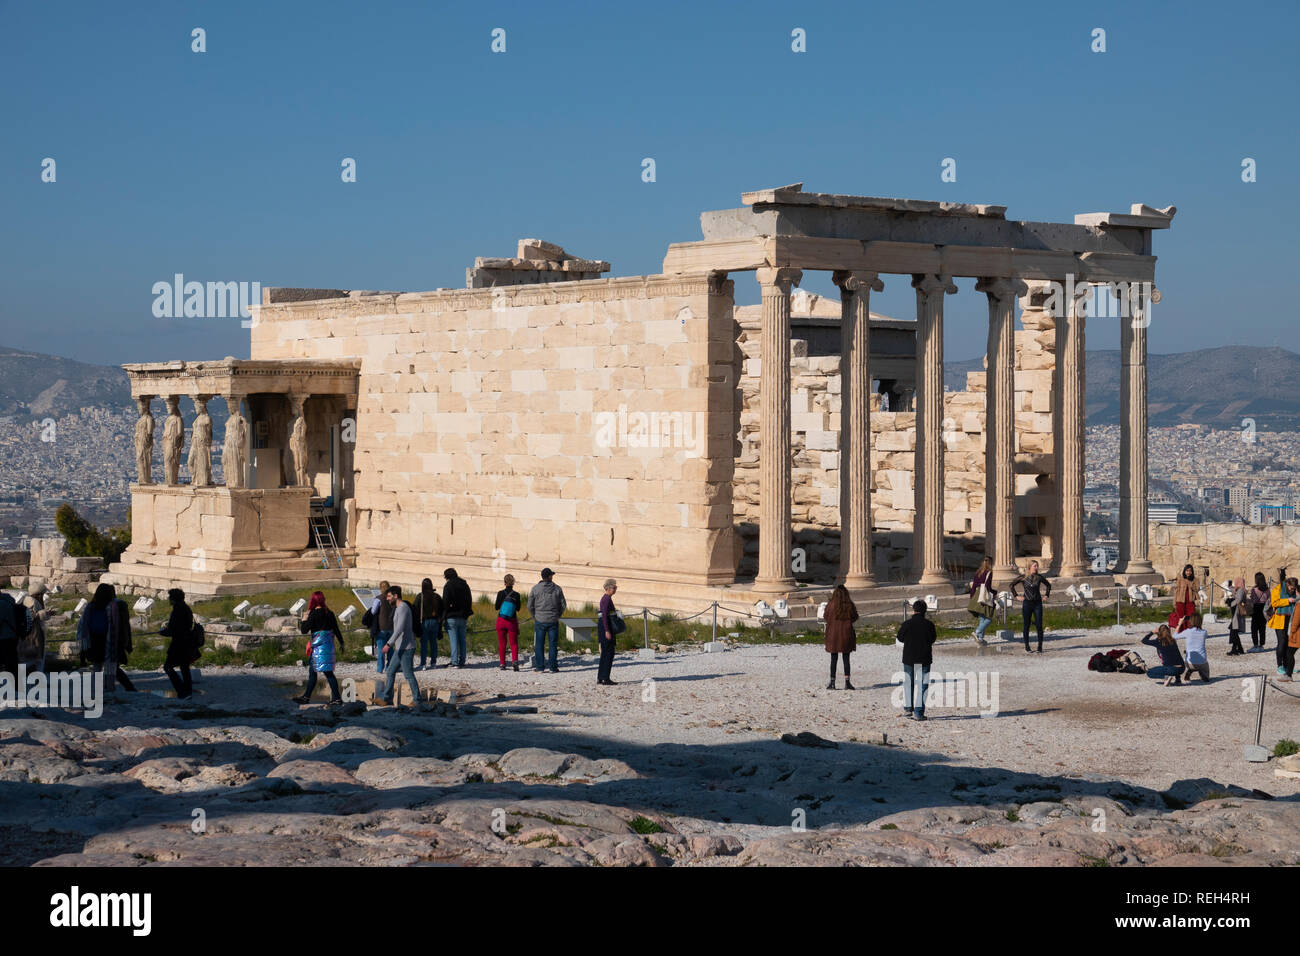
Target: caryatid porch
[(287, 446), (780, 233)]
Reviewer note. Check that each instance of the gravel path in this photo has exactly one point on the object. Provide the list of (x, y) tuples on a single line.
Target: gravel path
[(731, 758), (1053, 716)]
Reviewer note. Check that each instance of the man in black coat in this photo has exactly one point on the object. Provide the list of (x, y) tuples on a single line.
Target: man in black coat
[(917, 635), (457, 607), (180, 649)]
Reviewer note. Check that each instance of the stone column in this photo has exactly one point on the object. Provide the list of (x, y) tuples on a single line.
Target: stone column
[(144, 441), (1000, 426), (774, 432), (1133, 555), (200, 460), (234, 452), (855, 423), (927, 472), (173, 440), (295, 471), (1070, 355)]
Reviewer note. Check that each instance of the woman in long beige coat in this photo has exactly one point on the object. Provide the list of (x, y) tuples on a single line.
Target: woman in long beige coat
[(840, 615)]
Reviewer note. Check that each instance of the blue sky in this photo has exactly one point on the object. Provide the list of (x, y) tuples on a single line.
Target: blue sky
[(225, 165)]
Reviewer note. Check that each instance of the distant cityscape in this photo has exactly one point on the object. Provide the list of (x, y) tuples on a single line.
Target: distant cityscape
[(1197, 474), (85, 458)]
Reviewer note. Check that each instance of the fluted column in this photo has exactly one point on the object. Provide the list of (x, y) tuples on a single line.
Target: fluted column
[(927, 472), (855, 423), (1070, 355), (1133, 555), (774, 432), (999, 425)]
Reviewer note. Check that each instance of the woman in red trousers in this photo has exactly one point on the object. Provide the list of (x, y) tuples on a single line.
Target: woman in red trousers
[(1185, 595), (508, 622)]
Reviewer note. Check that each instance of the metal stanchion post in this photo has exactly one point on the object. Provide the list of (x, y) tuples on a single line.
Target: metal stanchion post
[(715, 620), (645, 625), (1256, 753)]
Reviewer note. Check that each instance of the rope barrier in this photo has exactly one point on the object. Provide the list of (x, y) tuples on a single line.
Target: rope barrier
[(1276, 686)]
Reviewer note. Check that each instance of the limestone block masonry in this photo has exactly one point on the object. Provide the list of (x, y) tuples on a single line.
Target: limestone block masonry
[(584, 425)]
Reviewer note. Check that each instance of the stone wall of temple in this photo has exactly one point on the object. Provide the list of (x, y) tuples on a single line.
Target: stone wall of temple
[(1228, 549), (815, 427), (578, 424)]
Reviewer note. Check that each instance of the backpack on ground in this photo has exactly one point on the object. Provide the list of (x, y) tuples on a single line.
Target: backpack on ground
[(1102, 662), (1132, 663)]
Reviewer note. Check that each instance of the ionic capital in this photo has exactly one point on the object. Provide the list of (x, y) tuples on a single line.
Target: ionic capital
[(930, 283), (783, 278), (1001, 288), (719, 284), (856, 280)]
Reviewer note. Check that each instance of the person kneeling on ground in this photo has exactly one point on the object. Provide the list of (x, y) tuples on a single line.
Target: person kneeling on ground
[(323, 626), (401, 648), (1171, 658), (917, 635), (1194, 634)]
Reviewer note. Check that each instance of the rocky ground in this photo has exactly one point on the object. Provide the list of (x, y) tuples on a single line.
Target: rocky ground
[(732, 758)]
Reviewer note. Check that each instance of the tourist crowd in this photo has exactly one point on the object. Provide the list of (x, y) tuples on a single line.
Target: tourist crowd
[(399, 628)]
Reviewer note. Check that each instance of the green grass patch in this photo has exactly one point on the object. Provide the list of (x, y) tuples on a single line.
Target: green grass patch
[(1285, 748), (643, 825), (889, 826), (1012, 816), (671, 630)]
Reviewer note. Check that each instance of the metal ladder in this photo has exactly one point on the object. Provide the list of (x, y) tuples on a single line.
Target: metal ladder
[(322, 532)]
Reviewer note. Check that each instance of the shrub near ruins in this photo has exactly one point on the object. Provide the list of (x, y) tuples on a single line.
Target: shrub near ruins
[(84, 540)]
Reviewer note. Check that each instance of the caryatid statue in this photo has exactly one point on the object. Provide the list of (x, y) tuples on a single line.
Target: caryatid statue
[(234, 453), (144, 441), (201, 443), (298, 443), (173, 441)]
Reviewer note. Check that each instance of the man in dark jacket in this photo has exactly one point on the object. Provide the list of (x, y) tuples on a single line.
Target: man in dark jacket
[(457, 606), (917, 635), (180, 649)]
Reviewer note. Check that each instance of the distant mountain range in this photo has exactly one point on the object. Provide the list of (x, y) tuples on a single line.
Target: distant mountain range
[(37, 386), (1217, 387)]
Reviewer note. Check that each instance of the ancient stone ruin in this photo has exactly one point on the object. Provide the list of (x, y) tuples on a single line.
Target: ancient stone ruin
[(647, 428)]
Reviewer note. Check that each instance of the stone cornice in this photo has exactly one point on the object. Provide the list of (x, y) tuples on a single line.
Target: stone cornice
[(463, 300), (232, 376)]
